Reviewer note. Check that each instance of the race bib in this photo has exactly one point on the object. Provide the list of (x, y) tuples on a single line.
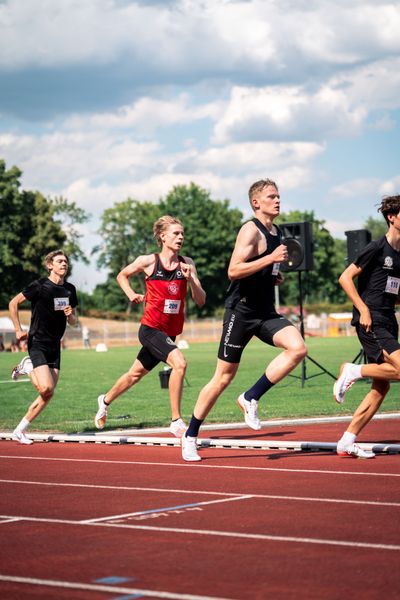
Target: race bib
[(171, 307), (275, 268), (392, 285), (61, 303)]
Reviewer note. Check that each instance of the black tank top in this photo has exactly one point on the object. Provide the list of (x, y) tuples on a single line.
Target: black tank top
[(256, 292)]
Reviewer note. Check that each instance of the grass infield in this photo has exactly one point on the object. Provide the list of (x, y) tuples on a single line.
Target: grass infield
[(86, 373)]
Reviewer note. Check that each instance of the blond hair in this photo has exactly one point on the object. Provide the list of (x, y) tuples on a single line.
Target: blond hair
[(258, 186), (162, 224)]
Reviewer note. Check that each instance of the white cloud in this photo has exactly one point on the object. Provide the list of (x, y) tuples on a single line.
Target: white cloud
[(357, 188), (283, 113), (147, 114), (213, 36), (390, 187)]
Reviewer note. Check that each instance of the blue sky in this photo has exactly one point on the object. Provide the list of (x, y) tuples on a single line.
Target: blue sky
[(107, 99)]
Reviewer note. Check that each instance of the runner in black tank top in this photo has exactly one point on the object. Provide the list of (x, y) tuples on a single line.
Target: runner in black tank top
[(377, 270), (250, 311), (256, 292)]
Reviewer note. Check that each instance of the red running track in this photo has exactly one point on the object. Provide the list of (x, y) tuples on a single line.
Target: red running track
[(83, 521)]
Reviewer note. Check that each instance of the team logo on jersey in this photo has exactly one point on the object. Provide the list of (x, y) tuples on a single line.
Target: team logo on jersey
[(173, 288), (388, 262)]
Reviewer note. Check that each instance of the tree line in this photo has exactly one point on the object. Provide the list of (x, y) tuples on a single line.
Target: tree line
[(31, 225)]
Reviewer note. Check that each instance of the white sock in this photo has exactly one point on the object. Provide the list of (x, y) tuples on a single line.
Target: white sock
[(24, 424), (347, 439), (355, 371)]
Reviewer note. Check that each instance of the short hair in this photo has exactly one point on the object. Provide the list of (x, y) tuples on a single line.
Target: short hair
[(258, 186), (162, 224), (390, 205), (51, 255)]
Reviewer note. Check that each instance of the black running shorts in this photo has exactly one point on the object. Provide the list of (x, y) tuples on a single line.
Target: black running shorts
[(238, 330), (156, 346), (383, 336), (44, 353)]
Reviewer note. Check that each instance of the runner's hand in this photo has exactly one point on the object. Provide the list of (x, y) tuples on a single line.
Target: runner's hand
[(186, 270)]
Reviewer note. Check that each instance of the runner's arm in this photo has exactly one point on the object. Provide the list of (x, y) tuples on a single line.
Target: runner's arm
[(245, 248), (190, 272), (14, 314), (346, 280), (140, 265)]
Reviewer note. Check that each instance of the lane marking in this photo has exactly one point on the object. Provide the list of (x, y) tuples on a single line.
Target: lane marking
[(110, 589), (216, 533), (203, 466), (200, 492), (170, 508)]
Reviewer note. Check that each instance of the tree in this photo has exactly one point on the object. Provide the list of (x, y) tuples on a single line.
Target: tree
[(29, 230), (377, 227), (126, 230), (320, 283), (210, 232)]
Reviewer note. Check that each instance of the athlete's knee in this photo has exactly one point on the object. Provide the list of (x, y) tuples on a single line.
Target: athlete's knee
[(222, 380), (134, 375), (177, 361), (298, 351), (46, 391), (180, 366)]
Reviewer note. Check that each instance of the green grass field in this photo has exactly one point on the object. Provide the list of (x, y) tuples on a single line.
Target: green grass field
[(86, 373)]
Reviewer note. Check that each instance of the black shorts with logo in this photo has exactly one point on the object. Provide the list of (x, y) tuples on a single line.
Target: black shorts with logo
[(156, 346), (383, 336), (239, 328), (44, 353)]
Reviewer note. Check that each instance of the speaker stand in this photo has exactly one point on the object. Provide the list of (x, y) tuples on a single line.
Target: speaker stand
[(304, 376), (360, 358)]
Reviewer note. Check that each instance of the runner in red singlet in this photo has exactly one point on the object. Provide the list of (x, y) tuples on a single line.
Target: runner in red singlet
[(167, 275)]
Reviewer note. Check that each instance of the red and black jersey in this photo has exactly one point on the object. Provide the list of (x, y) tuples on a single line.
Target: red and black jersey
[(165, 298)]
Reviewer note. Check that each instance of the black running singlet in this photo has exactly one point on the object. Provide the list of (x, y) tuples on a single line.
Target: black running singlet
[(256, 292)]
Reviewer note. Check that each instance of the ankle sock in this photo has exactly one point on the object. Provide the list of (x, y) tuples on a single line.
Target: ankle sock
[(194, 426), (258, 389), (347, 439)]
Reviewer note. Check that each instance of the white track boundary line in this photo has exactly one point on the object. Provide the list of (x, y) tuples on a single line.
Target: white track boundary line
[(201, 465), (229, 444), (167, 509), (202, 492), (216, 533), (109, 589)]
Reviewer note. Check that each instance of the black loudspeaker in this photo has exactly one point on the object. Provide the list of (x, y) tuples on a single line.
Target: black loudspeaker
[(356, 241), (299, 241)]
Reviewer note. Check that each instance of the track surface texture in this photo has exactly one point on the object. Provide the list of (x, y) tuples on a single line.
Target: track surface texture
[(97, 521)]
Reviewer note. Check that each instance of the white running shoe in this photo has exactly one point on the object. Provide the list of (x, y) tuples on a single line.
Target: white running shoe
[(23, 368), (20, 437), (178, 427), (343, 382), (250, 410), (353, 450), (189, 449), (101, 415)]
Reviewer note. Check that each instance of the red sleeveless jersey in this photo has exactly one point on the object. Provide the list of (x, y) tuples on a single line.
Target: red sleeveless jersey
[(165, 298)]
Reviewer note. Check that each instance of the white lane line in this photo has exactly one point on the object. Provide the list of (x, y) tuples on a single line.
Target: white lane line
[(9, 520), (204, 466), (200, 492), (168, 509), (216, 533), (110, 589)]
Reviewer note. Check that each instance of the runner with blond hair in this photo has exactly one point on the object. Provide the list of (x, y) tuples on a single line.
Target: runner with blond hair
[(167, 275)]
